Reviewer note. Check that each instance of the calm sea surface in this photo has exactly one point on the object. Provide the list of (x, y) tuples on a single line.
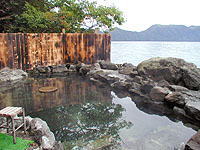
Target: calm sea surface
[(135, 52)]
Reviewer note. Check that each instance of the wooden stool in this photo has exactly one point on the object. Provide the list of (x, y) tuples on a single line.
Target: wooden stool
[(10, 113)]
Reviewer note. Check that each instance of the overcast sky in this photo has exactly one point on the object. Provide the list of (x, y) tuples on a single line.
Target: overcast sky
[(141, 14)]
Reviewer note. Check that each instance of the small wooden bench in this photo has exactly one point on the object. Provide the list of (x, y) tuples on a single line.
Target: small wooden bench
[(10, 113)]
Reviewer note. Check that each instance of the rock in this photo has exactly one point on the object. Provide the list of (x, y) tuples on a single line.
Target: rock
[(72, 68), (176, 99), (128, 69), (177, 88), (97, 66), (108, 65), (135, 92), (189, 100), (107, 76), (163, 83), (85, 69), (146, 88), (122, 85), (179, 111), (174, 70), (194, 142), (129, 65), (78, 66), (158, 93), (42, 133), (58, 146), (193, 109), (12, 75), (133, 74), (138, 79), (40, 69), (59, 69), (135, 85), (191, 78)]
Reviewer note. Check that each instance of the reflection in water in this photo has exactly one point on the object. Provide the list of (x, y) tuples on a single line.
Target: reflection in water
[(84, 115), (71, 90), (91, 124)]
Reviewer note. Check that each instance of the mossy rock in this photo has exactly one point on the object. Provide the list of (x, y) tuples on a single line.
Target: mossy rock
[(48, 89)]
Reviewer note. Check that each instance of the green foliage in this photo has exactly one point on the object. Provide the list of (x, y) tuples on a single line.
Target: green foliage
[(12, 8), (71, 15), (7, 143), (33, 20)]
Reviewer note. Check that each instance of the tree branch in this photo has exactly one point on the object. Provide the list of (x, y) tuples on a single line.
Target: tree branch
[(5, 17)]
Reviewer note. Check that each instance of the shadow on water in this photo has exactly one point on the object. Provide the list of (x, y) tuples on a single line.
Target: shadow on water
[(84, 115)]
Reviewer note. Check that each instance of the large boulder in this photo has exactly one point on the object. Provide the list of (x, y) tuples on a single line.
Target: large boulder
[(12, 75), (174, 70)]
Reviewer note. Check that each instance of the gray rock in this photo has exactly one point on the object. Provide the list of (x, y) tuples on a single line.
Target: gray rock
[(177, 88), (59, 69), (72, 68), (58, 146), (146, 88), (176, 99), (135, 85), (194, 142), (40, 69), (97, 66), (179, 111), (163, 83), (107, 76), (42, 133), (122, 85), (128, 69), (135, 92), (85, 69), (158, 93), (175, 71), (189, 100), (108, 65), (193, 109), (133, 74), (138, 79), (191, 78), (12, 75)]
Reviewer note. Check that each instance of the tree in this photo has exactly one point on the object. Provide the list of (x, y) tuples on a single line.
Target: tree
[(71, 15), (12, 8)]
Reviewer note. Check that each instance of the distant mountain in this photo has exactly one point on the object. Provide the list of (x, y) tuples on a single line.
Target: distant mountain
[(159, 33)]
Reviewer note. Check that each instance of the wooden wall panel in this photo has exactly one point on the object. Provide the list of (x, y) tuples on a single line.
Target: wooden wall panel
[(3, 50), (27, 50)]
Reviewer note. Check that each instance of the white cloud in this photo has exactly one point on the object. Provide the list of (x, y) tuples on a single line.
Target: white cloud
[(141, 14)]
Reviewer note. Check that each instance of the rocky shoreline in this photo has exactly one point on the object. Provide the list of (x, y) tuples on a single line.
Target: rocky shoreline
[(171, 82)]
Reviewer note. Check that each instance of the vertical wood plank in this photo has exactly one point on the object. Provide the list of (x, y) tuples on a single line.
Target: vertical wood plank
[(25, 51)]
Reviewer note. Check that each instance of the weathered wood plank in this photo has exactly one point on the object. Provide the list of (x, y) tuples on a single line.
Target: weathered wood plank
[(27, 50)]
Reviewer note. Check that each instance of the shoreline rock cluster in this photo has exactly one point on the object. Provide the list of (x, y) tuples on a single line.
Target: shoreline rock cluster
[(169, 81)]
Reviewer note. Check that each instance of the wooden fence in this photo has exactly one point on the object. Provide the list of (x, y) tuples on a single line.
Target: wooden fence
[(27, 50)]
